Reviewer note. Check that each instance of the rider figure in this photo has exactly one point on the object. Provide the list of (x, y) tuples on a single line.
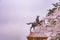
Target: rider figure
[(37, 19)]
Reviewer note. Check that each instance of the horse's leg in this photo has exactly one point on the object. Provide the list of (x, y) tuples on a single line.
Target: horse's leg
[(33, 28), (30, 29)]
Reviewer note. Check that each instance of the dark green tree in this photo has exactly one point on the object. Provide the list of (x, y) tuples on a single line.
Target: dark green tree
[(51, 11)]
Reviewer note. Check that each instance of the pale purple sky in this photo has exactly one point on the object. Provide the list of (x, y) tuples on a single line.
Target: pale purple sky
[(14, 14)]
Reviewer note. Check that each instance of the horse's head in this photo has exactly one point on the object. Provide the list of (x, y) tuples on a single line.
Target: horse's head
[(29, 23)]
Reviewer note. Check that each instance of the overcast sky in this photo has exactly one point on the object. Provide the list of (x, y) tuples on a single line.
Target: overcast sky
[(14, 14)]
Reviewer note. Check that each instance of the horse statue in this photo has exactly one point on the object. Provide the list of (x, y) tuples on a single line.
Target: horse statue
[(33, 25)]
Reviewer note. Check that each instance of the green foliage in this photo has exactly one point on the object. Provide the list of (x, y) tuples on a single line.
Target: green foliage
[(58, 36), (52, 39), (53, 22), (47, 26), (51, 11), (55, 5)]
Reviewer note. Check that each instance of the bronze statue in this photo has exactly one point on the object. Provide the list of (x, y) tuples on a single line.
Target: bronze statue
[(34, 24)]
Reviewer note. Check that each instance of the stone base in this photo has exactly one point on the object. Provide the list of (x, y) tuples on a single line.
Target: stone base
[(32, 37)]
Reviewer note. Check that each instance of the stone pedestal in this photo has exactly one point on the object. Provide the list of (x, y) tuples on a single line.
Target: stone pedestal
[(32, 37)]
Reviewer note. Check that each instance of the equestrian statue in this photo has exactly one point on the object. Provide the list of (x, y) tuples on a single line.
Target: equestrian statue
[(34, 24)]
